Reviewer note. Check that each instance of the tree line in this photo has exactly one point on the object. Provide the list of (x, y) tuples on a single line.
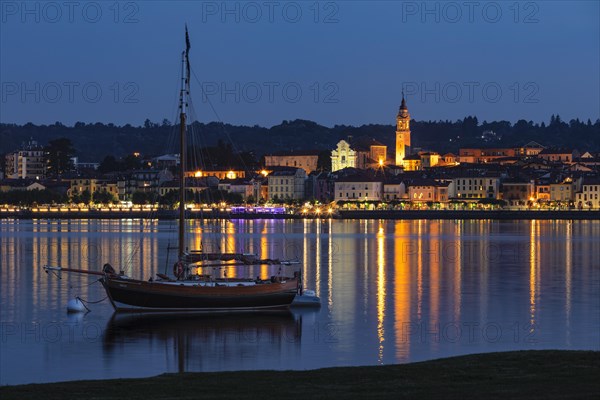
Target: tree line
[(93, 141)]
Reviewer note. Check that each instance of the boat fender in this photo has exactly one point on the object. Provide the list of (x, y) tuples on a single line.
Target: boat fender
[(75, 306), (178, 269)]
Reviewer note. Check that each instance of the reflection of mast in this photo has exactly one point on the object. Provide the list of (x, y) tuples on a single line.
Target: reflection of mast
[(201, 338), (180, 354)]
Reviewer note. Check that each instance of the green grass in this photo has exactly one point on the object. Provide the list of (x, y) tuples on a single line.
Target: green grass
[(510, 375)]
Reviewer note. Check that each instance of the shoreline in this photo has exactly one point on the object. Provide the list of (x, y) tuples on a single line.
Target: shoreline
[(548, 374), (341, 214)]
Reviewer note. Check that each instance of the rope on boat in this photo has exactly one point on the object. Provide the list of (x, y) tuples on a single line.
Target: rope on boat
[(84, 302)]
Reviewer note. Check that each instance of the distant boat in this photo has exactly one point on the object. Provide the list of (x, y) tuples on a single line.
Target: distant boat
[(190, 289)]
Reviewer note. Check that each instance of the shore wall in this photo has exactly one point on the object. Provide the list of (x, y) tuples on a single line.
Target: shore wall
[(471, 214), (354, 214)]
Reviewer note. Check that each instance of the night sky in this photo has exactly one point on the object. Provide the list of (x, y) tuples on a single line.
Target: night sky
[(330, 62)]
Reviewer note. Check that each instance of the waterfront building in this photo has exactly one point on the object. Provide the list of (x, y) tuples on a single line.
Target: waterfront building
[(260, 188), (428, 190), (147, 181), (320, 187), (194, 185), (518, 192), (394, 189), (589, 195), (361, 186), (27, 163), (286, 184), (92, 185), (563, 191), (542, 191), (475, 186)]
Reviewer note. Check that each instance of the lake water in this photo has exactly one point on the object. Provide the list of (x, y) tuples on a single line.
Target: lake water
[(392, 292)]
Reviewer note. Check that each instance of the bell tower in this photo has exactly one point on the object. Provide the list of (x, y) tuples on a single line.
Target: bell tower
[(402, 132)]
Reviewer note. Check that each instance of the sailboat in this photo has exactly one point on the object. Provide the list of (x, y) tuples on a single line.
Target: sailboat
[(190, 289)]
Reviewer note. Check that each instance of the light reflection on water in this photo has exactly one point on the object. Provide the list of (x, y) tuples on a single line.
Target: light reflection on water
[(392, 292)]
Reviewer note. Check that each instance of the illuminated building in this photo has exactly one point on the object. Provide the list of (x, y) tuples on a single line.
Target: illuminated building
[(287, 184), (93, 185), (563, 191), (394, 189), (27, 163), (412, 163), (363, 152), (589, 195), (402, 133), (429, 159), (428, 190), (218, 172), (358, 187), (475, 186), (307, 160), (518, 192)]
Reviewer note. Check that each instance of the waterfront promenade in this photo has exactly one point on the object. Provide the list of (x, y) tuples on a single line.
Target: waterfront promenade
[(140, 213)]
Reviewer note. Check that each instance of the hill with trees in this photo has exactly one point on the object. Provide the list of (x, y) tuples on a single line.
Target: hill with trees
[(93, 142)]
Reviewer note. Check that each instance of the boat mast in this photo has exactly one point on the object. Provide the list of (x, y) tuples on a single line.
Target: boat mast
[(185, 71)]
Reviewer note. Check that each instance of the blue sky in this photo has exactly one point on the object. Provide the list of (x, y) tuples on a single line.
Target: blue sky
[(267, 61)]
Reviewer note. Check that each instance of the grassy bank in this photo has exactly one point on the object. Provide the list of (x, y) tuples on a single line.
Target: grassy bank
[(511, 375)]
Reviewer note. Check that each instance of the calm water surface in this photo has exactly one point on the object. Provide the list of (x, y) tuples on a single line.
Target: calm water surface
[(392, 292)]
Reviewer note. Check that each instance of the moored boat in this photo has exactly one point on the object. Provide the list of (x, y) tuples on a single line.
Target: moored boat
[(190, 289)]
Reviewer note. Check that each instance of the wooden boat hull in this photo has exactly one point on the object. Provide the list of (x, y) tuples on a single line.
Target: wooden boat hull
[(135, 295)]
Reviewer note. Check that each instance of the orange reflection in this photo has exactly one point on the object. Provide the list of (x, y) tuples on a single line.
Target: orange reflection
[(533, 274), (434, 272), (402, 289), (568, 272), (380, 292)]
